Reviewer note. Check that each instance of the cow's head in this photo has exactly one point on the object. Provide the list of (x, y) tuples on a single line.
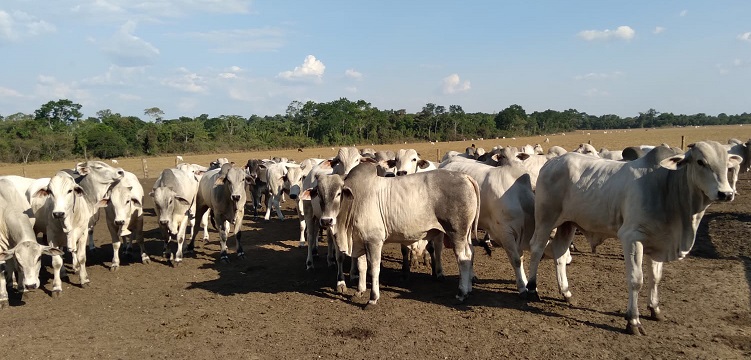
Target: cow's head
[(293, 181), (233, 180), (63, 192), (587, 149), (123, 203), (28, 260), (171, 209), (346, 159), (329, 192), (707, 165), (408, 161), (100, 172)]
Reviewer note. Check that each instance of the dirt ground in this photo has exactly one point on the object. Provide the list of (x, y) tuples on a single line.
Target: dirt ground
[(268, 306)]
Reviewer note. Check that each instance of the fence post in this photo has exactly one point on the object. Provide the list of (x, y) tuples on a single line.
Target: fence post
[(683, 142), (23, 169), (437, 152), (145, 168)]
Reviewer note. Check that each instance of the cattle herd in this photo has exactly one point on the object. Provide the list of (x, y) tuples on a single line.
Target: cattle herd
[(651, 198)]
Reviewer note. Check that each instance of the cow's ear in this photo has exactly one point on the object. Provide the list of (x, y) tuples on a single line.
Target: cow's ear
[(79, 190), (326, 164), (285, 178), (151, 193), (219, 181), (734, 160), (52, 251), (423, 164), (391, 163), (522, 156), (41, 193), (102, 203), (7, 255), (182, 200), (136, 201), (673, 162), (346, 191), (368, 160), (82, 168), (308, 194)]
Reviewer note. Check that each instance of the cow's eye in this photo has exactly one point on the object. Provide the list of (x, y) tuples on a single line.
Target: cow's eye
[(70, 191), (701, 163), (338, 194)]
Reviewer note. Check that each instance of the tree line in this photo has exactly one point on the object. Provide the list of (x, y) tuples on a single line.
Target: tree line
[(58, 130)]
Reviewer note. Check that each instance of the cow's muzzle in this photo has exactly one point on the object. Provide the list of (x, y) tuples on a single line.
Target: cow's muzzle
[(725, 195), (401, 173), (163, 222), (58, 214), (235, 197), (31, 286), (293, 196), (119, 222), (326, 222)]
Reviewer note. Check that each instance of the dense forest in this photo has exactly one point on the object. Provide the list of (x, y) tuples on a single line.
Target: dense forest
[(57, 130)]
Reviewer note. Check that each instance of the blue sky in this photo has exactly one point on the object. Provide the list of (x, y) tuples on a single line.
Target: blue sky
[(243, 57)]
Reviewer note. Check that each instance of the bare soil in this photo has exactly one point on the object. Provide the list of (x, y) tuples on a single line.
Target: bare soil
[(268, 306)]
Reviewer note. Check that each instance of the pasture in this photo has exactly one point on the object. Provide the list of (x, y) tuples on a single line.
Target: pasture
[(268, 306)]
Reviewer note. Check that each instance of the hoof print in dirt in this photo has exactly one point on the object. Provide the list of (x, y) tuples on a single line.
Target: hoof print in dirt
[(369, 306)]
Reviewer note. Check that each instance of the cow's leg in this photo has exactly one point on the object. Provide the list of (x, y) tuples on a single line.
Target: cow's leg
[(463, 252), (437, 264), (137, 233), (3, 290), (537, 244), (223, 225), (561, 257), (301, 218), (632, 253), (116, 243), (360, 258), (312, 237), (331, 248), (270, 199), (734, 176), (205, 225), (373, 254), (406, 261), (238, 244), (81, 256), (57, 284), (654, 301), (278, 205)]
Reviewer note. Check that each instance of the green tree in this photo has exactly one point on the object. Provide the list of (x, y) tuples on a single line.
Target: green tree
[(55, 114), (512, 119), (154, 113)]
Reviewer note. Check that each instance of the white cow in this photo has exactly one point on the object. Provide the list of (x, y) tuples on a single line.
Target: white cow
[(124, 214), (415, 210), (19, 251), (653, 205), (277, 182), (64, 209), (294, 185), (223, 191), (737, 147), (587, 149), (407, 161), (611, 154), (174, 194)]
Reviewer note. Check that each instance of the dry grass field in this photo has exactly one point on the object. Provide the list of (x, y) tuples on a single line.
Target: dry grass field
[(267, 306), (611, 139)]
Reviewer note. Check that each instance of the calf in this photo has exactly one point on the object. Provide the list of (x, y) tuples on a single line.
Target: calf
[(124, 214), (174, 196)]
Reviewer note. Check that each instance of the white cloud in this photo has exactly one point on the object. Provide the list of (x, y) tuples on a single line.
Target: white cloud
[(683, 13), (746, 36), (228, 75), (125, 49), (452, 84), (7, 92), (351, 89), (353, 74), (241, 40), (19, 25), (117, 75), (658, 30), (119, 10), (186, 81), (311, 68), (594, 92), (621, 32), (48, 87), (599, 76), (129, 97)]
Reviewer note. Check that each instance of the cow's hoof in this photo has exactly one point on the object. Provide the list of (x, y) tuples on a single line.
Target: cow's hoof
[(370, 306), (635, 329), (146, 261), (309, 266), (114, 268), (341, 288), (55, 294), (241, 255), (475, 279), (571, 301), (439, 278), (224, 259), (85, 285), (356, 296), (531, 295), (4, 304), (656, 315), (462, 297), (301, 244)]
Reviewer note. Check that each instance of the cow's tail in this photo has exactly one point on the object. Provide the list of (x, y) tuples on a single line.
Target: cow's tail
[(476, 220)]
